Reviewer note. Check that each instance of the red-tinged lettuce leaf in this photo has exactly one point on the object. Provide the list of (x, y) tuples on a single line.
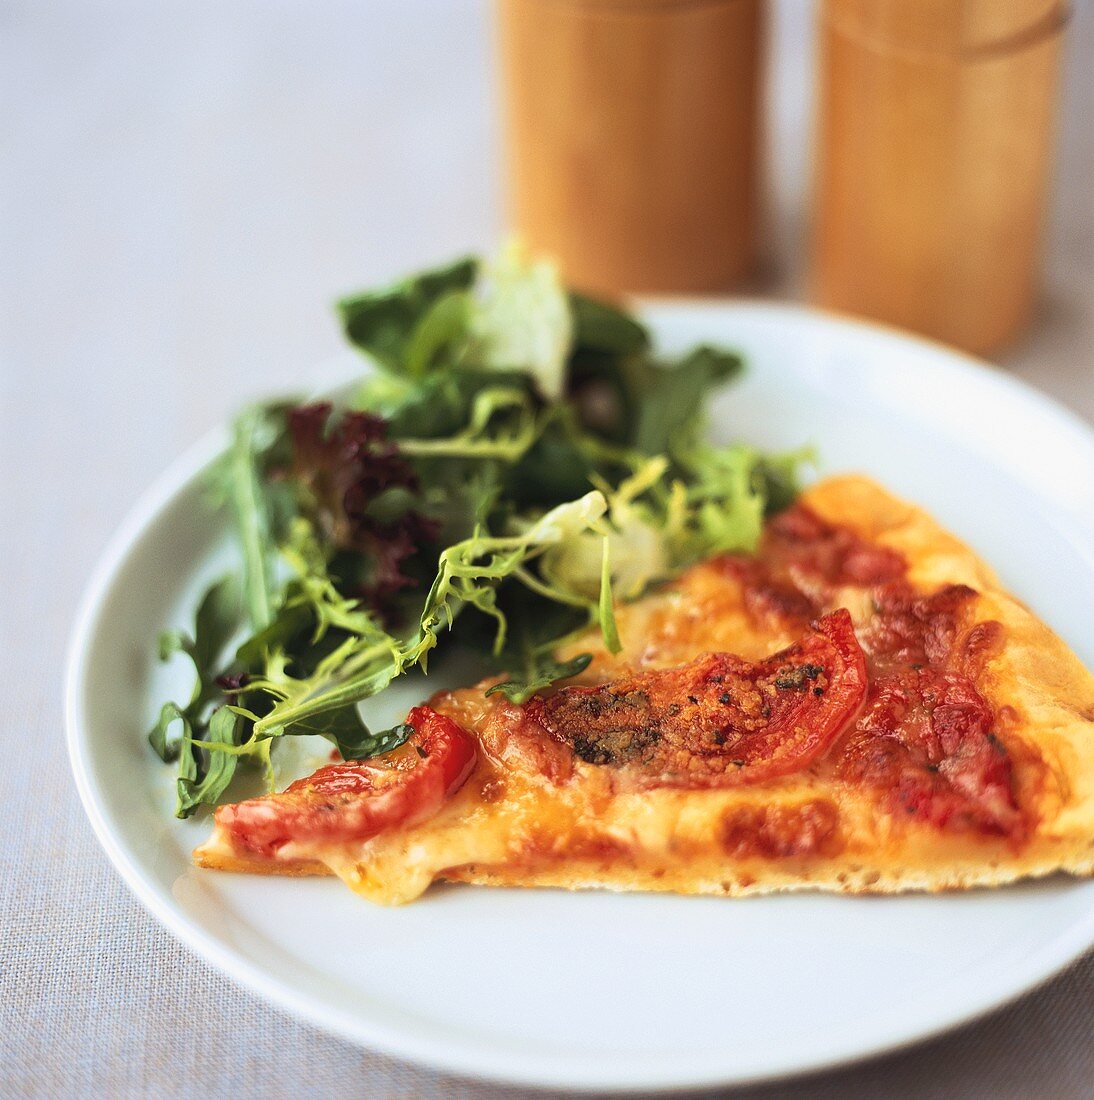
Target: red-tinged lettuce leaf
[(363, 494)]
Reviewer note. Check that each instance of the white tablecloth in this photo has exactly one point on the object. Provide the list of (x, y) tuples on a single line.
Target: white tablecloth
[(184, 187)]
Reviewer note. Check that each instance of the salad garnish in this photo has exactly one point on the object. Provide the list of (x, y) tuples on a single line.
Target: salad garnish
[(519, 459)]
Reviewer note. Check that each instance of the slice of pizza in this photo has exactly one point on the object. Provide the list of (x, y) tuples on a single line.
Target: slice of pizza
[(858, 707)]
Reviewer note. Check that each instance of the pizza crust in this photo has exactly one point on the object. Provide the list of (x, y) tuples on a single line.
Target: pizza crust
[(221, 857), (834, 880)]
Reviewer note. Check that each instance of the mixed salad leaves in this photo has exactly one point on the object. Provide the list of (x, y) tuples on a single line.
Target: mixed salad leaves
[(521, 459)]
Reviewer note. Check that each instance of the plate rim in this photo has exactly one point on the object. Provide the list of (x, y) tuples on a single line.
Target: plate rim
[(459, 1055)]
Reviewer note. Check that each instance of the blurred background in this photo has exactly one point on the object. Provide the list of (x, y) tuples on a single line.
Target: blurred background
[(187, 185)]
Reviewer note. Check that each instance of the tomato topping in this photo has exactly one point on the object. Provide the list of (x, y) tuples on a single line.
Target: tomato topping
[(720, 720), (926, 737), (802, 560), (908, 630), (780, 832), (511, 736), (926, 741), (797, 540), (358, 799)]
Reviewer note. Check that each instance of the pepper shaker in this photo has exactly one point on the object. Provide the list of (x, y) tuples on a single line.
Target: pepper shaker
[(935, 127), (631, 138)]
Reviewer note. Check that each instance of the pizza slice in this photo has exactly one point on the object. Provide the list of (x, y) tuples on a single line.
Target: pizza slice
[(858, 707)]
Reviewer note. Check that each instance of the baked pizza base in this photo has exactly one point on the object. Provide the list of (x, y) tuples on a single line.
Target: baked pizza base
[(809, 830)]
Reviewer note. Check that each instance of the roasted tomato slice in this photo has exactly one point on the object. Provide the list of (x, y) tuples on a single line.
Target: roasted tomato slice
[(357, 800), (926, 739), (718, 721)]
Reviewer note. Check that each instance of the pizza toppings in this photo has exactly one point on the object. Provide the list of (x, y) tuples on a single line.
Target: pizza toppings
[(357, 800), (926, 738), (899, 715), (925, 742), (908, 630), (718, 721), (513, 738), (781, 832), (802, 561)]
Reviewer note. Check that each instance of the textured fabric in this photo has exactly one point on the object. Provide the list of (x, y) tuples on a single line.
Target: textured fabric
[(183, 188)]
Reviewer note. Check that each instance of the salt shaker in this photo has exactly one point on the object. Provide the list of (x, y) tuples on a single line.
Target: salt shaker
[(934, 139)]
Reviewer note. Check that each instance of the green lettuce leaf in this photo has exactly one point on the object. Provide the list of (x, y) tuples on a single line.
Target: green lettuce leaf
[(544, 673), (390, 323), (521, 320), (216, 622), (599, 326), (671, 409), (205, 773)]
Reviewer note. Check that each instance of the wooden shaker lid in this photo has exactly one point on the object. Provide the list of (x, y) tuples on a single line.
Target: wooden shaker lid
[(946, 26)]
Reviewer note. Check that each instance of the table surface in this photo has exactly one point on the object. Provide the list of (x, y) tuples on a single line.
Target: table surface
[(184, 188)]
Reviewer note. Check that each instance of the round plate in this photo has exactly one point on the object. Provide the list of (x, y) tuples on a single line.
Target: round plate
[(629, 991)]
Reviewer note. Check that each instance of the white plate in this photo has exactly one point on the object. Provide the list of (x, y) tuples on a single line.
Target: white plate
[(630, 991)]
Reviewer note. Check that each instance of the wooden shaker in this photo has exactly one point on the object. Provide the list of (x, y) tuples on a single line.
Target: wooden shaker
[(935, 127), (631, 138)]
